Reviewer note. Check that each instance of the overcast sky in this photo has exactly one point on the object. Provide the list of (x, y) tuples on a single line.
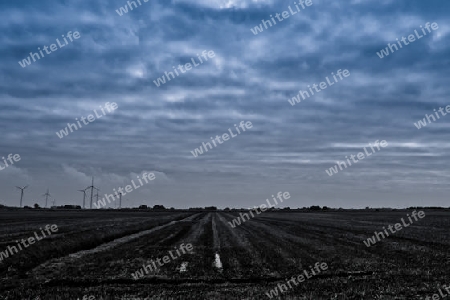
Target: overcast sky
[(250, 78)]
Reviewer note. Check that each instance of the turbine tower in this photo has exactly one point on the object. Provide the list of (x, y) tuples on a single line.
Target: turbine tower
[(84, 197), (92, 187), (21, 193), (46, 197), (120, 202)]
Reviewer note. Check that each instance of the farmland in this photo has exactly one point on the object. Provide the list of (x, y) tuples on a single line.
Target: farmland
[(95, 253)]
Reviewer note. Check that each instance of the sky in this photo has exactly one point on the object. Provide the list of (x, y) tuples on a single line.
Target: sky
[(251, 77)]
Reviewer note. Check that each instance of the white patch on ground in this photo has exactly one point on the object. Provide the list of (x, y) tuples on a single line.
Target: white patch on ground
[(217, 262), (183, 267)]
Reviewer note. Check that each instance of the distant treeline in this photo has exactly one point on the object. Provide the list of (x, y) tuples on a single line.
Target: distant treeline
[(214, 208)]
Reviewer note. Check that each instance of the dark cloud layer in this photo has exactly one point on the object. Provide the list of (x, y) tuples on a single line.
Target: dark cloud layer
[(251, 78)]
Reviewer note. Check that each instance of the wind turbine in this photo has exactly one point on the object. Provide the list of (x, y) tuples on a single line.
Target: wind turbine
[(120, 203), (46, 197), (21, 193), (84, 197), (92, 187)]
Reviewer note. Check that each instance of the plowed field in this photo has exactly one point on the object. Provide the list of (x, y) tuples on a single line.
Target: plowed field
[(94, 254)]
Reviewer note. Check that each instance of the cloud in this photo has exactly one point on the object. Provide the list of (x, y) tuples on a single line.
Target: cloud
[(251, 78)]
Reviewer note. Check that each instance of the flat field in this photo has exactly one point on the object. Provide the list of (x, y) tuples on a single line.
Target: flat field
[(95, 253)]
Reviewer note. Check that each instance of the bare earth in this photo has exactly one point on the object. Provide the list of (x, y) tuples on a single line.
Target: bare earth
[(95, 253)]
